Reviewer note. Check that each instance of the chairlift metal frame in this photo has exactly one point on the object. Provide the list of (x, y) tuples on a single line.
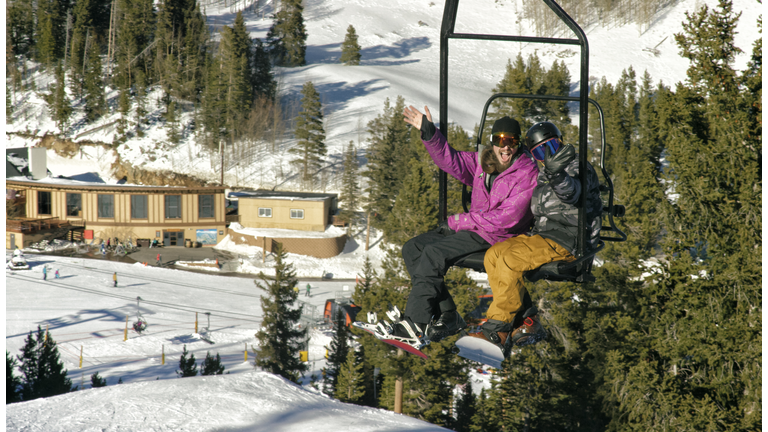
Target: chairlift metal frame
[(583, 262)]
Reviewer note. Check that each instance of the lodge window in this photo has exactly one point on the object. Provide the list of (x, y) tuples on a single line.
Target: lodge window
[(265, 212), (205, 206), (106, 204), (75, 204), (138, 206), (297, 214), (173, 206), (43, 202)]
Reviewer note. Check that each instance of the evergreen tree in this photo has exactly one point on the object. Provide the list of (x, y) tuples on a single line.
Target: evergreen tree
[(97, 381), (20, 26), (310, 148), (187, 364), (263, 77), (704, 375), (350, 190), (141, 101), (531, 77), (279, 339), (459, 139), (214, 104), (169, 39), (415, 209), (50, 30), (337, 355), (43, 374), (136, 20), (172, 124), (389, 151), (557, 82), (95, 101), (481, 420), (211, 365), (350, 49), (466, 407), (58, 103), (124, 108), (287, 39), (236, 63), (350, 387), (81, 31), (193, 52), (12, 381)]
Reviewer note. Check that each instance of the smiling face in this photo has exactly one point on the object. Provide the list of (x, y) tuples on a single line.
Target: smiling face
[(504, 155)]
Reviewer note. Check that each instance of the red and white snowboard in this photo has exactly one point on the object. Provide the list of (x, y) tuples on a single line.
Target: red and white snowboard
[(391, 340)]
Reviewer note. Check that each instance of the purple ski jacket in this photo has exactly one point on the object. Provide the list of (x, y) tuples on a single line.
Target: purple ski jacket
[(496, 216)]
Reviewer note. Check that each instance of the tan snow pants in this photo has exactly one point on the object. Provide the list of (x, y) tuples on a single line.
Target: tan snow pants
[(505, 263)]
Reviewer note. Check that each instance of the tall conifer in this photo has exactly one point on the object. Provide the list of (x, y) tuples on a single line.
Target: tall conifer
[(42, 371), (389, 151), (12, 380), (337, 354), (310, 148), (287, 39), (58, 103), (350, 49), (350, 189), (351, 386), (95, 101), (279, 339)]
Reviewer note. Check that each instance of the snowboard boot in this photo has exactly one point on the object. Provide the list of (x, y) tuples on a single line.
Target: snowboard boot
[(448, 324), (530, 331), (409, 331), (497, 333)]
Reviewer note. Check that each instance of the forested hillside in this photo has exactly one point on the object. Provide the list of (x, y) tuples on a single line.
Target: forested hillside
[(668, 337)]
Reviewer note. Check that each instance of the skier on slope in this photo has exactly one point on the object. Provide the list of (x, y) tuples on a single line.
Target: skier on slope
[(502, 178), (553, 238)]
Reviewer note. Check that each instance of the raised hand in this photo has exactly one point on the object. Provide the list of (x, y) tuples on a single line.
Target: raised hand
[(413, 116)]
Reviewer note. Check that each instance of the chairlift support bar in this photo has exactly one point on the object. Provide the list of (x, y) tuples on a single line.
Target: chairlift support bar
[(447, 33)]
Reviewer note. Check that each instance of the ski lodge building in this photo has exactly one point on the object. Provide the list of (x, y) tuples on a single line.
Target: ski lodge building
[(52, 207)]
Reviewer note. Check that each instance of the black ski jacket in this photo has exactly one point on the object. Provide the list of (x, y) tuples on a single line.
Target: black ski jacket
[(555, 207)]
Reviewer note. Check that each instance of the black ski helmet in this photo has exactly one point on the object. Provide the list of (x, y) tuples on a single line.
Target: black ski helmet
[(542, 131)]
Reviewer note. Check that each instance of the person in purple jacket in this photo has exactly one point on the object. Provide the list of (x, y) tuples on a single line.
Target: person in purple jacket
[(503, 178)]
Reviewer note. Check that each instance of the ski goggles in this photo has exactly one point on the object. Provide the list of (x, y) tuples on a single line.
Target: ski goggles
[(539, 151), (501, 140)]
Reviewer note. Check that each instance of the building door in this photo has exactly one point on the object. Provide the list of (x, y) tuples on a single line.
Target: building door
[(173, 238), (13, 241)]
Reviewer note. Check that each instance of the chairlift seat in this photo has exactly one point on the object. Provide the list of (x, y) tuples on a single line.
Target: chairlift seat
[(556, 271)]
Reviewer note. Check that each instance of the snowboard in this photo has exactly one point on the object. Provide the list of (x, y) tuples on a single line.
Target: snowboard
[(391, 340), (480, 350)]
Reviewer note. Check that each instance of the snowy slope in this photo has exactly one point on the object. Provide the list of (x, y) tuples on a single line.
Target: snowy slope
[(400, 56), (253, 401)]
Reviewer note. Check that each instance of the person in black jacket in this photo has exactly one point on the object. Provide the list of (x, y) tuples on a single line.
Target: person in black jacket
[(512, 318)]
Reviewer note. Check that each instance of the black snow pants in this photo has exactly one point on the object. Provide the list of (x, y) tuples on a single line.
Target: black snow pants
[(428, 257)]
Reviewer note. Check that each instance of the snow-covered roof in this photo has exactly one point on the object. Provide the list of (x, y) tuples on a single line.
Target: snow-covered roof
[(63, 182), (281, 195)]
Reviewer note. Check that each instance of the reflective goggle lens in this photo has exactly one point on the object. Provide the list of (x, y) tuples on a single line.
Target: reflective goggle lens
[(501, 140), (539, 153)]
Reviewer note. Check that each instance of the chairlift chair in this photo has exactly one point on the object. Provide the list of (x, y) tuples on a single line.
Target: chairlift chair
[(140, 324), (578, 270)]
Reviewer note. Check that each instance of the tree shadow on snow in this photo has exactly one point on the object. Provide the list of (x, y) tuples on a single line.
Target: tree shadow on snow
[(378, 55)]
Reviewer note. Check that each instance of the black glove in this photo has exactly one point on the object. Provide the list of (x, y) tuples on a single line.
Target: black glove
[(427, 128), (443, 227), (554, 164)]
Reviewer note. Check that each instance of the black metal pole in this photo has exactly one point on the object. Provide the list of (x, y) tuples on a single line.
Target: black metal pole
[(449, 19)]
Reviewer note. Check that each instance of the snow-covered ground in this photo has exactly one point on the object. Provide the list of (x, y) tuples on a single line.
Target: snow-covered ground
[(400, 56), (85, 313)]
